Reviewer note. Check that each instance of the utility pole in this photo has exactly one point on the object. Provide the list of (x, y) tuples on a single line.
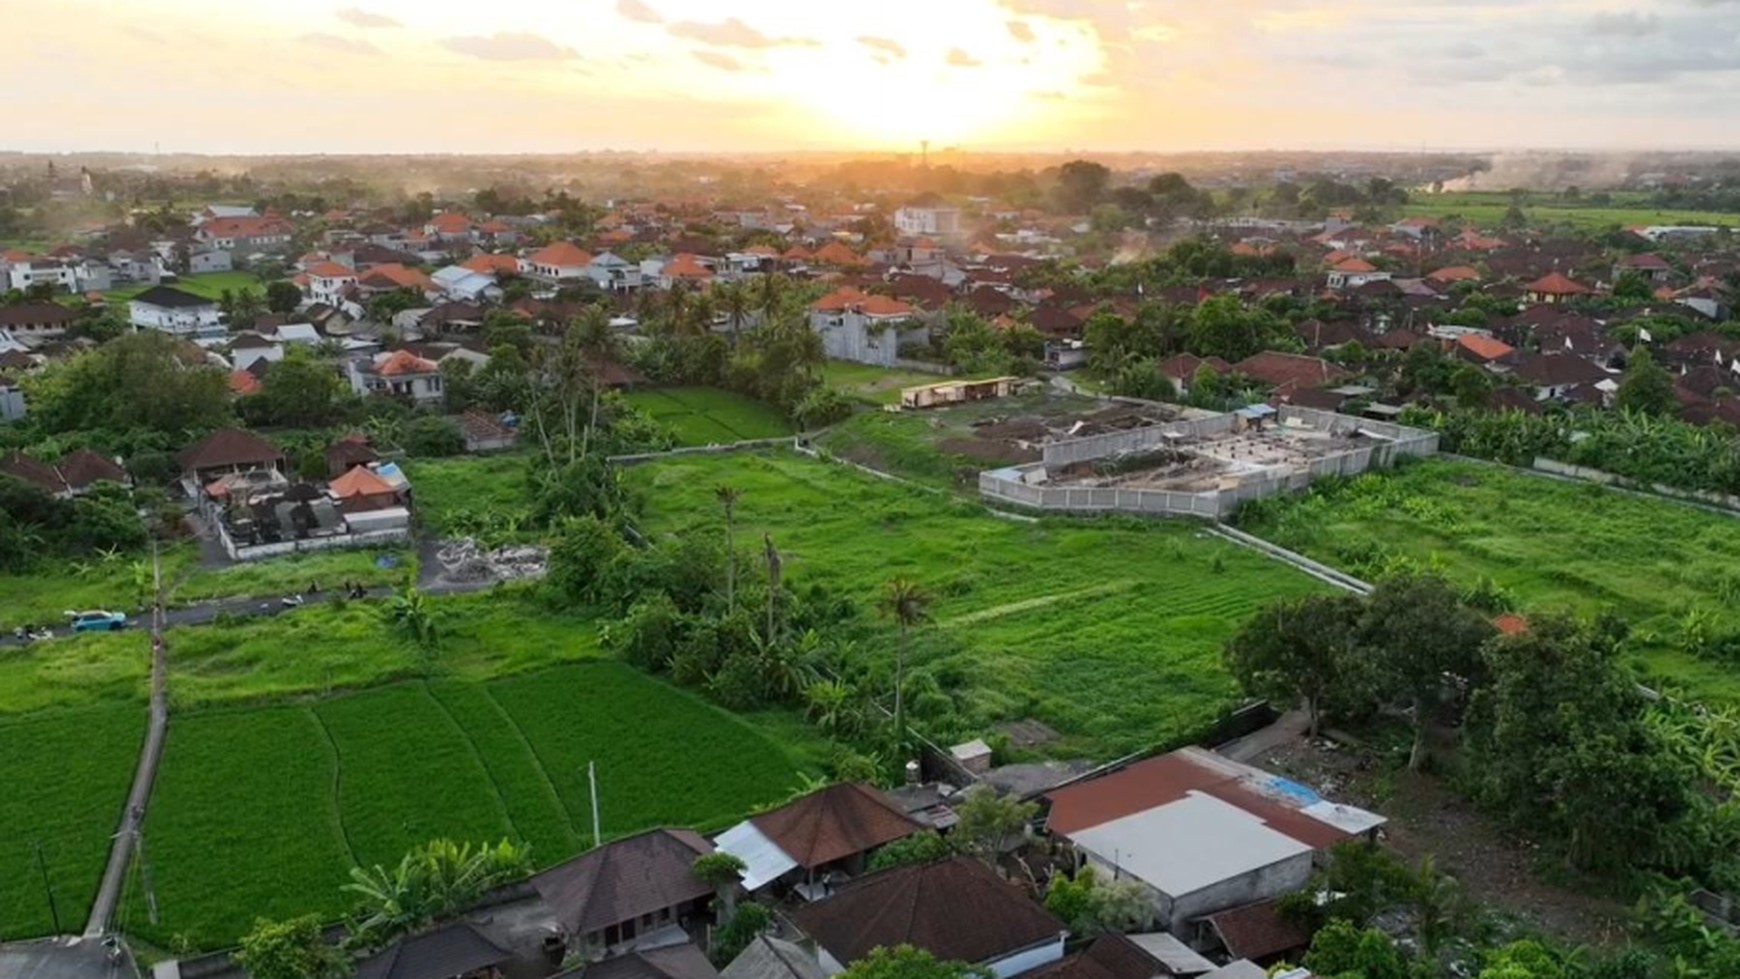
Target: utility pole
[(47, 888), (592, 779)]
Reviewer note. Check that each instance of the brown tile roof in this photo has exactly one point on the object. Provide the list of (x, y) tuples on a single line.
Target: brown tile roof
[(624, 879), (1276, 368), (1484, 347), (33, 471), (36, 314), (683, 961), (1259, 931), (482, 425), (1455, 273), (392, 275), (957, 909), (1109, 957), (229, 447), (348, 452), (1167, 778), (455, 949), (82, 467), (830, 824), (1557, 369), (1185, 366)]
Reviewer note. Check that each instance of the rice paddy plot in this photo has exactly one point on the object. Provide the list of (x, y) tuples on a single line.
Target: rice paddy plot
[(66, 780), (1107, 629), (711, 416)]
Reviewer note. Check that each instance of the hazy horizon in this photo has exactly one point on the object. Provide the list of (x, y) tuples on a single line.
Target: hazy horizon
[(684, 77)]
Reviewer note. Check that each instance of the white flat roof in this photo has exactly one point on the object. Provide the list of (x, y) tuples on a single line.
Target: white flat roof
[(1186, 845), (763, 860)]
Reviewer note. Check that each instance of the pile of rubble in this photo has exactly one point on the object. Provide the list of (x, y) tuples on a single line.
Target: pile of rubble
[(464, 561)]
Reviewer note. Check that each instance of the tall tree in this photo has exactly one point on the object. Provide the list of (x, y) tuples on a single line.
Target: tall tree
[(1646, 386), (1081, 184), (1417, 633), (1298, 650), (293, 949), (908, 605)]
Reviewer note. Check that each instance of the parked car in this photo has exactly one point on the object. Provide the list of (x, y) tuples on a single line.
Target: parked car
[(97, 620)]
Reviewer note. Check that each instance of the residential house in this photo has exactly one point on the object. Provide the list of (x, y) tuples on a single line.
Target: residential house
[(865, 328), (1115, 956), (613, 273), (361, 490), (1201, 832), (686, 268), (226, 451), (41, 320), (679, 961), (1287, 374), (456, 950), (1182, 369), (37, 473), (1351, 273), (349, 452), (492, 265), (831, 830), (13, 406), (248, 347), (245, 233), (1258, 932), (459, 282), (1653, 268), (957, 909), (43, 271), (1486, 351), (768, 957), (628, 890), (1554, 376), (1452, 274), (485, 432), (202, 261), (175, 311), (929, 222), (399, 373), (560, 264), (391, 277), (329, 282), (1555, 287), (449, 226)]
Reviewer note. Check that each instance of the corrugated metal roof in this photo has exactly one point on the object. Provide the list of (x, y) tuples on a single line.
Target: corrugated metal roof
[(763, 860)]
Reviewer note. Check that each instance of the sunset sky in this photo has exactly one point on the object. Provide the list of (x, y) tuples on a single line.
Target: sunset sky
[(341, 76)]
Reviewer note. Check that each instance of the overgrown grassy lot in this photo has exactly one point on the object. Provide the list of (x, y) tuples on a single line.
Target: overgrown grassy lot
[(940, 447), (1488, 208), (872, 384), (454, 495), (710, 416), (262, 812), (1545, 543), (66, 779), (211, 285), (1108, 630)]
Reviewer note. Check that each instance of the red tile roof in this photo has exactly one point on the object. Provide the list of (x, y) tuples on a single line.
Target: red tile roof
[(848, 298), (450, 223), (491, 264), (395, 276), (1484, 347), (835, 253), (1354, 265), (1558, 284), (359, 481), (242, 382), (562, 254), (402, 362), (331, 270), (1278, 369), (1454, 273), (1259, 931), (686, 266)]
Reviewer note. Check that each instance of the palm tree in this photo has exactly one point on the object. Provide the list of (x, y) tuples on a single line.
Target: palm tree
[(770, 296), (908, 605), (734, 301), (728, 496)]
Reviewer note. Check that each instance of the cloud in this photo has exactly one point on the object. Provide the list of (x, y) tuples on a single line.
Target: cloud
[(714, 59), (638, 11), (961, 59), (734, 33), (358, 17), (144, 34), (344, 45), (1022, 31), (509, 47), (883, 45), (1627, 24)]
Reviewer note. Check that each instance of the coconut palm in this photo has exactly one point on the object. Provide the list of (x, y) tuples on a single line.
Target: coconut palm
[(735, 302), (908, 605), (728, 496), (770, 296)]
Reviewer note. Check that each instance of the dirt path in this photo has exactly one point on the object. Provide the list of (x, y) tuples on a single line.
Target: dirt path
[(1426, 817)]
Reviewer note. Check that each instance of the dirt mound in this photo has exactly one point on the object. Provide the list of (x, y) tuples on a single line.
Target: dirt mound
[(999, 453), (1013, 430)]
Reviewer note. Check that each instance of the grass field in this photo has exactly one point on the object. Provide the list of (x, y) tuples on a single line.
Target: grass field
[(262, 812), (872, 384), (211, 285), (451, 492), (66, 775), (43, 596), (1108, 630), (1548, 544), (710, 416), (938, 447), (1487, 209)]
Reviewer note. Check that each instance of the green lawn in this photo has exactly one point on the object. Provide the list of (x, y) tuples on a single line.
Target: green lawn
[(67, 775), (1109, 630), (262, 812), (1548, 544), (710, 416), (872, 384), (1487, 209), (940, 447), (210, 285)]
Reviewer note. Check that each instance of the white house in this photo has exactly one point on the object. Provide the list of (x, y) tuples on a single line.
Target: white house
[(400, 373), (206, 260), (932, 222), (560, 264), (248, 348), (459, 282), (60, 275), (614, 273), (1351, 273), (171, 310), (865, 328), (329, 281)]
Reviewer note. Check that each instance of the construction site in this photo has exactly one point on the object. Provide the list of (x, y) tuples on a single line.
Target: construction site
[(1204, 467)]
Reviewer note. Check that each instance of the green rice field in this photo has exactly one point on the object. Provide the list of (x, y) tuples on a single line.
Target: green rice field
[(67, 774), (263, 812), (1487, 209), (710, 416), (1547, 544), (1108, 630)]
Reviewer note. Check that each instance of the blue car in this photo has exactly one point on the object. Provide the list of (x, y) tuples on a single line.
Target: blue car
[(98, 620)]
